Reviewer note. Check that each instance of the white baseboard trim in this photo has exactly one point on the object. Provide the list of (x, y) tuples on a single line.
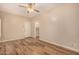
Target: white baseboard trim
[(14, 39), (73, 49)]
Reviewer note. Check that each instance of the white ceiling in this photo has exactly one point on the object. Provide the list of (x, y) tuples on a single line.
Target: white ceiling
[(15, 9)]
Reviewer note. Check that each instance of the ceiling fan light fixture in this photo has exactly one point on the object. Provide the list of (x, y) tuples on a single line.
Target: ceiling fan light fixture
[(30, 7)]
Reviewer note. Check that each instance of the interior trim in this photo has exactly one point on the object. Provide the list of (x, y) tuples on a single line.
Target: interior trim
[(15, 39), (63, 49)]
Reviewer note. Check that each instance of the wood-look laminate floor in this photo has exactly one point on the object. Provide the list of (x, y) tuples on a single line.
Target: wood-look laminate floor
[(30, 46)]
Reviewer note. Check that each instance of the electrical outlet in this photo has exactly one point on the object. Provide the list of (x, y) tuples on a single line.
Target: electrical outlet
[(74, 44)]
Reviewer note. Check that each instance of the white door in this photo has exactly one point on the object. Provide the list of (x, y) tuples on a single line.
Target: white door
[(27, 29)]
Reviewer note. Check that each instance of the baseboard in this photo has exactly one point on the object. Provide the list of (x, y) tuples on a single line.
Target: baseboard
[(62, 47), (16, 39)]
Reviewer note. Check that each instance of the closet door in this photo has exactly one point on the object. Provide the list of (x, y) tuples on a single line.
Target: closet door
[(27, 29)]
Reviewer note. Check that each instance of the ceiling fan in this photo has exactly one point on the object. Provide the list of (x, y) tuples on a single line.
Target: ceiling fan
[(30, 7)]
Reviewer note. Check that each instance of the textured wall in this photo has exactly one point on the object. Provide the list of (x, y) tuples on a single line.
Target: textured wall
[(60, 25), (14, 26)]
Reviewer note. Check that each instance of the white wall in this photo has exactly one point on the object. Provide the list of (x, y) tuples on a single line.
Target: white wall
[(60, 25), (15, 27)]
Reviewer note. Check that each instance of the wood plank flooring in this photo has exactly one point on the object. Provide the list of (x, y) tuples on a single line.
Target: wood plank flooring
[(30, 46)]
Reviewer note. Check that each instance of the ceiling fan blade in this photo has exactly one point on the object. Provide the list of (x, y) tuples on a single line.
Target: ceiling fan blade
[(36, 10), (22, 6), (31, 4)]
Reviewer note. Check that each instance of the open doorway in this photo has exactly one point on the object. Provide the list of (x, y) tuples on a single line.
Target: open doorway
[(37, 30), (0, 29)]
